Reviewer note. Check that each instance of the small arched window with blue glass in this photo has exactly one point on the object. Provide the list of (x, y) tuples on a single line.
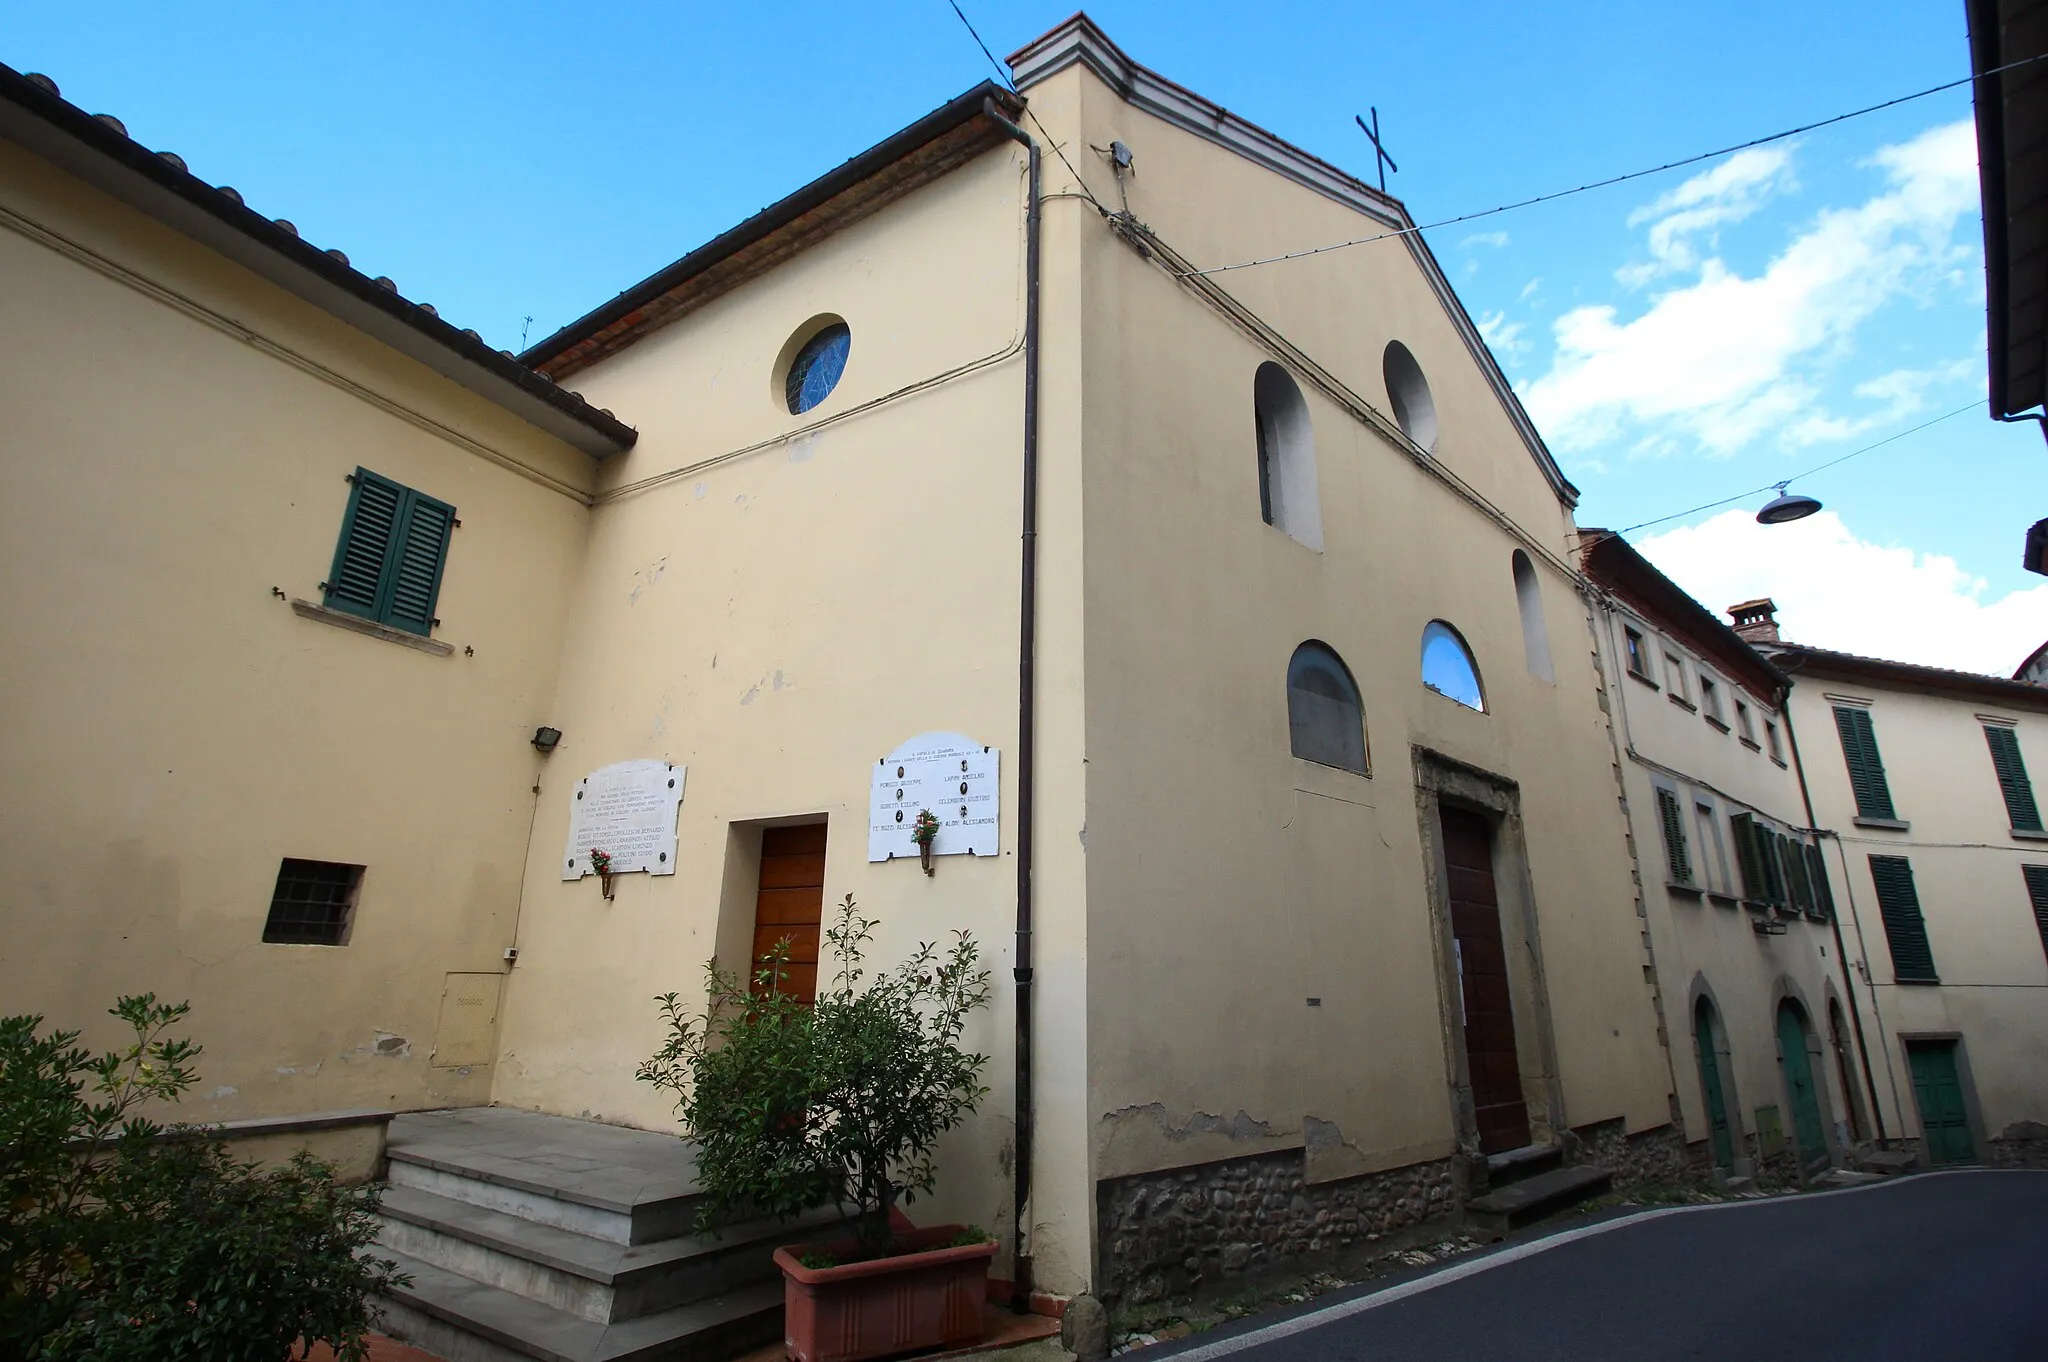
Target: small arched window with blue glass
[(1448, 668), (815, 368), (1325, 721)]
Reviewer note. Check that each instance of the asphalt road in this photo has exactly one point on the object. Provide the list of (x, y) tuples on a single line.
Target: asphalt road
[(1944, 1267)]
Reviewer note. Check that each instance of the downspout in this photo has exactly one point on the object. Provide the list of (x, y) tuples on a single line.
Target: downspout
[(1835, 921), (1027, 692)]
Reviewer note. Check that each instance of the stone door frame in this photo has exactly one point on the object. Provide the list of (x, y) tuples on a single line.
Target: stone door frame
[(1440, 780)]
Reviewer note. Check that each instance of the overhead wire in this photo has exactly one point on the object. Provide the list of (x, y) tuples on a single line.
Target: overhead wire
[(1786, 482), (1003, 75), (1622, 179)]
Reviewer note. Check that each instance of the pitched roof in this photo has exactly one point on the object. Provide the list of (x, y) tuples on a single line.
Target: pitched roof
[(96, 148), (1078, 41), (2012, 169), (1797, 658), (941, 141), (1614, 563)]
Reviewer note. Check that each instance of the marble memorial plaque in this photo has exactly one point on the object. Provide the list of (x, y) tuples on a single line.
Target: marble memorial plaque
[(627, 810), (955, 777)]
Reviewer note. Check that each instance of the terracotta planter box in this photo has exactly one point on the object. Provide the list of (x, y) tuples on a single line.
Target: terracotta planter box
[(925, 1297)]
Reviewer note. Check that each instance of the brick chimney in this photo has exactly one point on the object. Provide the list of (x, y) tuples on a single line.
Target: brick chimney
[(1756, 621)]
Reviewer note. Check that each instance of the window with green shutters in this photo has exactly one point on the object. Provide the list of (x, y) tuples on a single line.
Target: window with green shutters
[(2012, 778), (1866, 771), (1904, 928), (1800, 891), (2037, 892), (394, 542), (1817, 880), (1749, 856), (1675, 857)]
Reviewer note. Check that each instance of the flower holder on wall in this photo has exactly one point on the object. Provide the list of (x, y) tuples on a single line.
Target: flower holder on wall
[(601, 862), (924, 833)]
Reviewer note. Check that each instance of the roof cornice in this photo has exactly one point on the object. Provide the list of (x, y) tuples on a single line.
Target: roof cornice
[(97, 150), (1797, 659), (1079, 42), (1614, 563)]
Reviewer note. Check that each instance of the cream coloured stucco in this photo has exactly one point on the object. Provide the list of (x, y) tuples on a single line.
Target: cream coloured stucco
[(178, 434)]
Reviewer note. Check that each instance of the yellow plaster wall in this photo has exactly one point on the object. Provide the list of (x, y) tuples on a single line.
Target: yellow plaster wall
[(172, 728)]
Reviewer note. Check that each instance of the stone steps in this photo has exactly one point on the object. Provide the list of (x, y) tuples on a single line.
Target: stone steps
[(1535, 1198), (1515, 1165), (540, 1237)]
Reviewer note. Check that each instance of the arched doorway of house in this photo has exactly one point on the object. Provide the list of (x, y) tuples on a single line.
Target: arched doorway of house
[(1719, 1131), (1795, 1059)]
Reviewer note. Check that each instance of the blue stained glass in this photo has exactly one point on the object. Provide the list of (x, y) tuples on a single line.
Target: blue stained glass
[(815, 371), (1447, 666)]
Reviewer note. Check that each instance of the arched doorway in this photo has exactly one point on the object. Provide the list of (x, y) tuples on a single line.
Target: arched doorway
[(1797, 1062), (1719, 1131)]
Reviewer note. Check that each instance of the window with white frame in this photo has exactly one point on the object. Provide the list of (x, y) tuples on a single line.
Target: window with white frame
[(1710, 701)]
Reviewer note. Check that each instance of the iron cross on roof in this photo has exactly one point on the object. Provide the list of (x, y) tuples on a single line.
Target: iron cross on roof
[(1379, 151)]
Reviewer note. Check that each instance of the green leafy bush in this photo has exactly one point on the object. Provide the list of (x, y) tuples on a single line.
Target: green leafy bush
[(793, 1104), (121, 1240)]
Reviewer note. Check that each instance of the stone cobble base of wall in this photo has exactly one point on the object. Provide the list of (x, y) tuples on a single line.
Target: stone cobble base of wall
[(1185, 1231), (1657, 1155), (2023, 1144)]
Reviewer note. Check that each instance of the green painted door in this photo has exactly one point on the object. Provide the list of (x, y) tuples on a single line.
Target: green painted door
[(1710, 1079), (1806, 1128), (1938, 1092)]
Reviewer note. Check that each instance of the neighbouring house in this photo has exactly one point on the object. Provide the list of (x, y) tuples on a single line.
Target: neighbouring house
[(1248, 605), (1919, 777), (1756, 998)]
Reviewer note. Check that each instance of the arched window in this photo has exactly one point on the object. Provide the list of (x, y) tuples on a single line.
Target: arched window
[(1408, 391), (1535, 638), (814, 370), (1287, 456), (1325, 722), (1447, 666)]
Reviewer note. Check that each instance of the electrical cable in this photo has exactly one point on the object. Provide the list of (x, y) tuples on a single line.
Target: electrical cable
[(1620, 179), (1770, 486), (1003, 74)]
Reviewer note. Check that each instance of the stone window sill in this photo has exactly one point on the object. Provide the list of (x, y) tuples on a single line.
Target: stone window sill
[(1890, 824), (1717, 722), (1780, 760), (1675, 698), (1644, 679), (1725, 900), (2030, 834), (1750, 743), (1916, 983), (356, 624), (1691, 891)]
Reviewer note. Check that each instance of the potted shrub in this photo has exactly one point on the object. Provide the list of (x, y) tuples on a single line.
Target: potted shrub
[(794, 1104)]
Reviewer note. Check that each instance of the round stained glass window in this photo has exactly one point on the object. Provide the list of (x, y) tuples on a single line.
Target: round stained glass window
[(815, 371)]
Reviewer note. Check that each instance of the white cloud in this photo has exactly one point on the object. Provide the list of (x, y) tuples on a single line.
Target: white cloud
[(1903, 392), (1730, 192), (1494, 239), (1502, 336), (1726, 358), (1529, 289), (1837, 591)]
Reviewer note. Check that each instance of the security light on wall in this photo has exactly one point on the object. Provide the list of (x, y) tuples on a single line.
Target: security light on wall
[(544, 739), (1786, 506)]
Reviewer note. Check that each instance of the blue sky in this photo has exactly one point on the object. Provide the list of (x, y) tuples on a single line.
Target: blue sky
[(1680, 338)]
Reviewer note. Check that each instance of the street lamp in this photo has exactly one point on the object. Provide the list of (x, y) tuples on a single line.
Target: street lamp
[(1786, 506)]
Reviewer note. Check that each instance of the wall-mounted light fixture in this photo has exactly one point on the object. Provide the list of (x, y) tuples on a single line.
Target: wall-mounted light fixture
[(544, 739)]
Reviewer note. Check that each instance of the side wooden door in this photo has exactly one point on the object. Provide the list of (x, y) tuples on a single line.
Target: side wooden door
[(1710, 1079), (1938, 1093), (791, 904), (1485, 1001)]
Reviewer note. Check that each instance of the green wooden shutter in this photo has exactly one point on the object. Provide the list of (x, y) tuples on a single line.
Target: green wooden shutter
[(355, 583), (1817, 874), (1866, 770), (1795, 874), (1773, 867), (2012, 778), (1904, 928), (414, 575), (2037, 891), (1747, 856), (1675, 857)]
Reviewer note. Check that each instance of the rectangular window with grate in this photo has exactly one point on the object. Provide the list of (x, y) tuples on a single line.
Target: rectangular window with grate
[(2037, 893), (1904, 928), (313, 904), (2012, 778), (1866, 769), (394, 543)]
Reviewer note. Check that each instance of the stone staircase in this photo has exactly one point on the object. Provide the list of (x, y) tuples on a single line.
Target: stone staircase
[(540, 1237), (1531, 1184)]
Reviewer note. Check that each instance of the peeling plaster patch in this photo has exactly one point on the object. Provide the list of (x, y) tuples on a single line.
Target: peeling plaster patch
[(740, 500), (753, 691), (1316, 1133), (702, 488), (1238, 1127), (391, 1046), (1084, 837), (647, 577), (780, 684), (220, 1092), (307, 1069), (805, 447)]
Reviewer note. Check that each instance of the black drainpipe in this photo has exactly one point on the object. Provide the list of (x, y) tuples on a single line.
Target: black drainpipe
[(1835, 920), (1027, 691)]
